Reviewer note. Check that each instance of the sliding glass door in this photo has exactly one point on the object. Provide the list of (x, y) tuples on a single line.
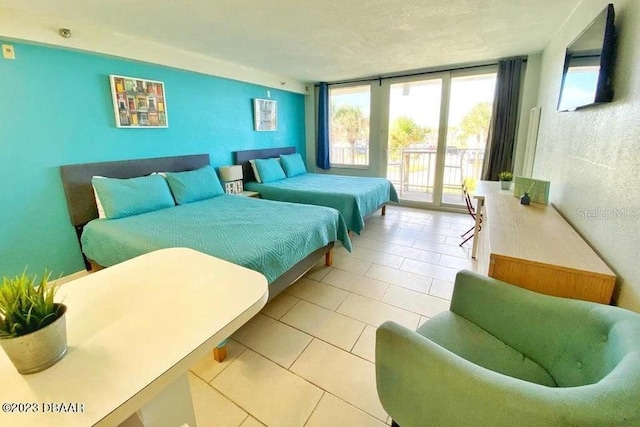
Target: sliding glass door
[(414, 120), (470, 106), (436, 133)]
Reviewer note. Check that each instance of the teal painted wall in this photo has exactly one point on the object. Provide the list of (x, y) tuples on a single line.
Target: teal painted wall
[(56, 109)]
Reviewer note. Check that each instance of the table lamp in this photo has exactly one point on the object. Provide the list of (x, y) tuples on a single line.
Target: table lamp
[(232, 178)]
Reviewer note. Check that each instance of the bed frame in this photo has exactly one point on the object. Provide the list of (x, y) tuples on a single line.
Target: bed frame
[(242, 158), (76, 180)]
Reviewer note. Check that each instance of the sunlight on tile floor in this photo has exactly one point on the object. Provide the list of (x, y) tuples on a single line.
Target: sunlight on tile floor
[(307, 358)]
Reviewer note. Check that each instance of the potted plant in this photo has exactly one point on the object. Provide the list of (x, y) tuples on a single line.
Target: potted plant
[(505, 178), (33, 329)]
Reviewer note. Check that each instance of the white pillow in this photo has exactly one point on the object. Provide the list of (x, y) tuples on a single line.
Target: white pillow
[(101, 213), (255, 170)]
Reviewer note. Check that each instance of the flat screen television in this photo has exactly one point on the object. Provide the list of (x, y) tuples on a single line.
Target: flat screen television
[(588, 65)]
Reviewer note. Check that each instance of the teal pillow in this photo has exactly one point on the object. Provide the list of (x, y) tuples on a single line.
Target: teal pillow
[(292, 164), (269, 170), (133, 196), (192, 186)]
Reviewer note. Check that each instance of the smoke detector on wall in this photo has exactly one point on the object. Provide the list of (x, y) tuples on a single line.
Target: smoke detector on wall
[(65, 32)]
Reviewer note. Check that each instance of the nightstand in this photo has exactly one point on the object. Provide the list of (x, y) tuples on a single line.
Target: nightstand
[(250, 194)]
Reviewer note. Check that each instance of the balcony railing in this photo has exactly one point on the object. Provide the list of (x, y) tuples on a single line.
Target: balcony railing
[(414, 173), (352, 155)]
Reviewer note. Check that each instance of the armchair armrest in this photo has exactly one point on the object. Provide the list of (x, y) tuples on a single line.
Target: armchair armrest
[(420, 383)]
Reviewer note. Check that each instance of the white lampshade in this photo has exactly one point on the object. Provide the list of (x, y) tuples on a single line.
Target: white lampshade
[(231, 173)]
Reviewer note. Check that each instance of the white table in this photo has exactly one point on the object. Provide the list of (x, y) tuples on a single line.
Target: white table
[(134, 330), (482, 189)]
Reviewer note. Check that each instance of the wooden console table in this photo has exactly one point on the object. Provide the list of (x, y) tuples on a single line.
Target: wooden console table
[(134, 330), (535, 248)]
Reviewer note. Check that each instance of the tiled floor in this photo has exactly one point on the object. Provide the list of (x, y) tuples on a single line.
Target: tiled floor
[(307, 358)]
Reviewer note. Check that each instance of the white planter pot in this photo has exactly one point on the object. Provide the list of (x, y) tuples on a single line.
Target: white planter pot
[(505, 185), (38, 350)]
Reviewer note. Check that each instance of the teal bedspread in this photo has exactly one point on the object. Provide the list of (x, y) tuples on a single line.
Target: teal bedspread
[(354, 197), (265, 236)]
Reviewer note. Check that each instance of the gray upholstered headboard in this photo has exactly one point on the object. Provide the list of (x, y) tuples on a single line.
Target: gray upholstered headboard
[(242, 158), (76, 180)]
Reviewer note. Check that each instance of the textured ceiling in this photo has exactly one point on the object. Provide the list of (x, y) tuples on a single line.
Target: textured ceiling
[(328, 40)]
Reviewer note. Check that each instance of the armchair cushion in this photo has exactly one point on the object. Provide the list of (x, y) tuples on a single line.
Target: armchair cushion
[(465, 339)]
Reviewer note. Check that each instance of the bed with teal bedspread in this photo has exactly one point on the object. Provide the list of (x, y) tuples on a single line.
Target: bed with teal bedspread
[(265, 236), (354, 197)]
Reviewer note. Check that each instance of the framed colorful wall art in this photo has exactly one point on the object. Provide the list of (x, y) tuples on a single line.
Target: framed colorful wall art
[(139, 103)]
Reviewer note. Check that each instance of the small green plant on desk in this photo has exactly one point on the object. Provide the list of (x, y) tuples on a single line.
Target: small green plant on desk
[(505, 178), (32, 325)]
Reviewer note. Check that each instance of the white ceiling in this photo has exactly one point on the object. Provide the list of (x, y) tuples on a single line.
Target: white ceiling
[(328, 40)]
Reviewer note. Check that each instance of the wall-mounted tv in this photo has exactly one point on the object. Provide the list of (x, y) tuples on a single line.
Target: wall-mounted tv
[(588, 65)]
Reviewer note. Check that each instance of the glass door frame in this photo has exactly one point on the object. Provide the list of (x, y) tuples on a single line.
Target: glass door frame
[(441, 149)]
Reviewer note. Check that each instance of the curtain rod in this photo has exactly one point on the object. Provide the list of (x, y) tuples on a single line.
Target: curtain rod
[(418, 73)]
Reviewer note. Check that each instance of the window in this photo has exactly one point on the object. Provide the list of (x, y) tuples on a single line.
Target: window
[(349, 125)]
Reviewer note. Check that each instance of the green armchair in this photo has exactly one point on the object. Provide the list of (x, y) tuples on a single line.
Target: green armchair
[(505, 356)]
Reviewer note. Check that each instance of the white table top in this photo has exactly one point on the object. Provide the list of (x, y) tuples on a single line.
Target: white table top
[(133, 329)]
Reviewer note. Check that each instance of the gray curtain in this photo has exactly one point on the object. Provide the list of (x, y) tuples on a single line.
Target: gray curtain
[(504, 120)]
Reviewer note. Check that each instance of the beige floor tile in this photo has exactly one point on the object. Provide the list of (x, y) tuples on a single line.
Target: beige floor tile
[(319, 293), (318, 271), (411, 253), (375, 313), (360, 285), (351, 264), (389, 237), (457, 262), (441, 289), (379, 228), (342, 374), (401, 278), (443, 231), (251, 422), (366, 345), (278, 306), (270, 393), (423, 319), (396, 222), (461, 227), (339, 330), (455, 240), (373, 244), (417, 302), (211, 408), (439, 221), (443, 249), (207, 368), (429, 236), (430, 270), (377, 257), (272, 339), (340, 250), (332, 411)]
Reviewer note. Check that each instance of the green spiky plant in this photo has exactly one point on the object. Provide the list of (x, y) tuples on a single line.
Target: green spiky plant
[(505, 176), (25, 307)]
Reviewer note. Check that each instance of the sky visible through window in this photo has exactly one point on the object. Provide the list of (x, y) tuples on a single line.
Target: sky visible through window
[(465, 94)]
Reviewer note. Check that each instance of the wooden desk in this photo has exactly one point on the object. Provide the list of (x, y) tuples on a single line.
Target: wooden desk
[(134, 330), (479, 193), (535, 248)]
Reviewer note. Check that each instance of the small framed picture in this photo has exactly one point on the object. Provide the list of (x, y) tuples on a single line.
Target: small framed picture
[(138, 103), (265, 114)]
